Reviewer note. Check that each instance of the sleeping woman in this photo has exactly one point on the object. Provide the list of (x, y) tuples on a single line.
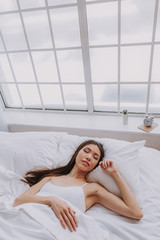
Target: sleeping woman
[(69, 183)]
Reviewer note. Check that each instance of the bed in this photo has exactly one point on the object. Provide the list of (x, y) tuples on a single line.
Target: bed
[(21, 152)]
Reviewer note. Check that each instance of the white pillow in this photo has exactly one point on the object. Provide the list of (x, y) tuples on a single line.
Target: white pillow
[(11, 187), (21, 152), (128, 162), (124, 154)]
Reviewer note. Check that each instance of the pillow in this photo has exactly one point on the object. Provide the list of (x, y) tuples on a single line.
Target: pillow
[(124, 154), (11, 187), (21, 152), (128, 162)]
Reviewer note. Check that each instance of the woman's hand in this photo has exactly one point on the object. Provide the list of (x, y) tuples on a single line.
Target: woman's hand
[(64, 213), (108, 167)]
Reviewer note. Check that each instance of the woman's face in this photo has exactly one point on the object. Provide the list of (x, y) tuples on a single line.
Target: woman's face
[(88, 157)]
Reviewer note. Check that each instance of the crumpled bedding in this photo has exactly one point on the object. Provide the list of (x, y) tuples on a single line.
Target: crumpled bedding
[(38, 222)]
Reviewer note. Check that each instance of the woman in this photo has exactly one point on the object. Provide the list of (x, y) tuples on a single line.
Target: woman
[(62, 181)]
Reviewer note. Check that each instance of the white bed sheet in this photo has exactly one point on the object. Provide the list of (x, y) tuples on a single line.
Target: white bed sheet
[(24, 225), (148, 228)]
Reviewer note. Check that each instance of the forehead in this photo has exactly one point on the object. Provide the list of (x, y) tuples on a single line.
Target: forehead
[(93, 147)]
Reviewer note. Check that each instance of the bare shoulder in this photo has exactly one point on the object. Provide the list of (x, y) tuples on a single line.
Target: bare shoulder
[(93, 187), (47, 179), (91, 194)]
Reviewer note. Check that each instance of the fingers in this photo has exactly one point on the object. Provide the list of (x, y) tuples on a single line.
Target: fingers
[(73, 216), (69, 219), (65, 214), (62, 222), (106, 163)]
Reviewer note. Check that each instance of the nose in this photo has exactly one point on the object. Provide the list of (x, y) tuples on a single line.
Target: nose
[(88, 157)]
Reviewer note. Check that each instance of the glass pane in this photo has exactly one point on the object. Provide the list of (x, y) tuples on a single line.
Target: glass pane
[(158, 25), (70, 64), (51, 96), (104, 64), (75, 97), (156, 66), (8, 5), (95, 0), (22, 67), (154, 105), (45, 66), (59, 2), (137, 20), (37, 28), (135, 63), (31, 3), (5, 71), (92, 0), (65, 27), (11, 95), (30, 95), (133, 97), (1, 44), (105, 97), (12, 32), (103, 23)]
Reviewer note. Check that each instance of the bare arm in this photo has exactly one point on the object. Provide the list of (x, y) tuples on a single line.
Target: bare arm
[(128, 206), (29, 196), (62, 210)]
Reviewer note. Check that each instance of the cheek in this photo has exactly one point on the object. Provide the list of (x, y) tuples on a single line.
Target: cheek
[(79, 156), (96, 164)]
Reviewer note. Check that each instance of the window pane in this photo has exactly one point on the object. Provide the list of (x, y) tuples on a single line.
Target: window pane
[(5, 71), (1, 45), (59, 2), (103, 23), (104, 64), (22, 67), (31, 3), (156, 61), (105, 97), (30, 95), (8, 5), (70, 64), (93, 0), (51, 96), (11, 95), (75, 97), (135, 63), (45, 66), (158, 25), (154, 105), (133, 97), (12, 32), (137, 20), (65, 27), (37, 28)]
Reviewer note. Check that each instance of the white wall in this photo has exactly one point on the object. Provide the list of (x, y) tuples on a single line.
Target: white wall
[(84, 125)]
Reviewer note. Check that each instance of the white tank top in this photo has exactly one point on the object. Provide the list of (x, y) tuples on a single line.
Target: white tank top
[(73, 194)]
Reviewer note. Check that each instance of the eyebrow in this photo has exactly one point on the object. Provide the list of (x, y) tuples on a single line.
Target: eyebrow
[(94, 153)]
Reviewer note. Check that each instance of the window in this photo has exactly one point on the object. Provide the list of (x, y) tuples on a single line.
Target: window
[(77, 55)]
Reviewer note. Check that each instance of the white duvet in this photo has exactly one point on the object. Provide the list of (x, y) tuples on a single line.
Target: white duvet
[(37, 221)]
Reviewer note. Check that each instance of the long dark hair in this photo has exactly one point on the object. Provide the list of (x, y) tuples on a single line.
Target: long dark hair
[(34, 176)]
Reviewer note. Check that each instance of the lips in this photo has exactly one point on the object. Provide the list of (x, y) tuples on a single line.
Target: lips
[(87, 163)]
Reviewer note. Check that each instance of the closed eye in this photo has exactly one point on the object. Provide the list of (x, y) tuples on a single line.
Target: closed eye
[(85, 150)]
